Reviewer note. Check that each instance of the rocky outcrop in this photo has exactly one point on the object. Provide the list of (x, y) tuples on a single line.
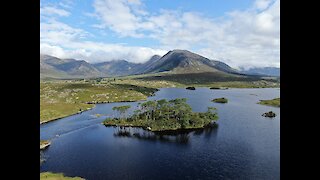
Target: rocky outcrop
[(269, 114)]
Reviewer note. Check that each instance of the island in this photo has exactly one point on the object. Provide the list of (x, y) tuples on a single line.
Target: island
[(163, 115), (191, 88), (273, 102), (220, 100), (223, 88), (269, 114)]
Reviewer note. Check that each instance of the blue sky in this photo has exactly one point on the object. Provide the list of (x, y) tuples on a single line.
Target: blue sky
[(242, 33)]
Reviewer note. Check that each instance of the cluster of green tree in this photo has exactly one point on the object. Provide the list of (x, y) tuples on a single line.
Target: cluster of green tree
[(163, 115)]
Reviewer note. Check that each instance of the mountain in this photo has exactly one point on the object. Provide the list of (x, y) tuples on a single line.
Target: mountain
[(53, 67), (117, 67), (266, 71), (79, 69), (123, 67), (174, 62), (47, 67), (183, 61), (142, 67)]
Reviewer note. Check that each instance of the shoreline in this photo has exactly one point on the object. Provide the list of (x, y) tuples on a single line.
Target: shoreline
[(45, 145), (211, 124), (100, 102), (47, 121)]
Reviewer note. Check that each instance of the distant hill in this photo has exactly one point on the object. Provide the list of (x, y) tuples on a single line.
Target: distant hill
[(265, 71)]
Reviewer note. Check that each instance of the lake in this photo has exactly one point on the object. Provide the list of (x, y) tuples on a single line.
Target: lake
[(244, 145)]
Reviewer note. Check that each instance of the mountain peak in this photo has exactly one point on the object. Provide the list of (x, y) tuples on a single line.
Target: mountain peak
[(184, 61), (180, 51), (184, 53)]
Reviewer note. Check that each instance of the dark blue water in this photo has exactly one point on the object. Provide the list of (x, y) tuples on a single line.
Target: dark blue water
[(245, 145)]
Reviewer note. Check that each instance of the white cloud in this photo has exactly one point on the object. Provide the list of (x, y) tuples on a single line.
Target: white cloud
[(262, 4), (53, 11), (118, 16), (240, 38), (243, 38), (68, 4), (55, 32), (63, 41), (94, 52)]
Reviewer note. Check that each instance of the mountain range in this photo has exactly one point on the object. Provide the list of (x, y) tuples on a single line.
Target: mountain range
[(175, 62), (265, 71), (52, 67)]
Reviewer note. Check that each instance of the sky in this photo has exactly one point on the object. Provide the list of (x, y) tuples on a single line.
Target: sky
[(241, 33)]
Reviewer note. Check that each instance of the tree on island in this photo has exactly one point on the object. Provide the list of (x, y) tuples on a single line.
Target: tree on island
[(161, 104), (164, 115), (149, 107), (122, 110), (211, 112), (136, 113)]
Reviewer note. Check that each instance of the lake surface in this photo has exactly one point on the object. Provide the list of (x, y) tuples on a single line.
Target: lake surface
[(245, 145)]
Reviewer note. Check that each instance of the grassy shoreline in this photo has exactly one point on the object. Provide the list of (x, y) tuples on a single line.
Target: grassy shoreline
[(56, 176), (62, 99), (44, 144), (50, 120)]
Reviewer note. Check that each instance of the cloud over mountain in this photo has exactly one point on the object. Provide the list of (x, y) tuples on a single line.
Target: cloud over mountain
[(249, 37)]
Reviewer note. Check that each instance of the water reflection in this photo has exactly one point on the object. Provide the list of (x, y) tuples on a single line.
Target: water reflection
[(176, 136), (208, 132), (43, 157)]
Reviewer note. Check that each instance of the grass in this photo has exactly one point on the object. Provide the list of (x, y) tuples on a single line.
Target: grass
[(273, 102), (63, 98), (220, 100), (211, 78), (56, 176), (149, 83), (44, 142), (218, 80)]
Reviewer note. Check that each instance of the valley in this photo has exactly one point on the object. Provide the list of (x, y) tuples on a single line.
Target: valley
[(73, 90)]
